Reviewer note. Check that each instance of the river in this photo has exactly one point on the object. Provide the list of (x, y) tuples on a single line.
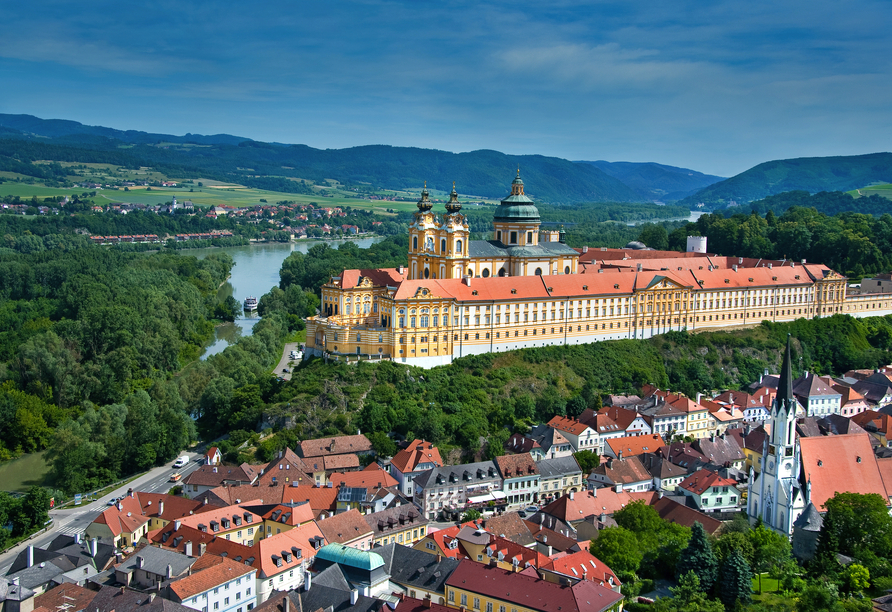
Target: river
[(691, 218), (256, 271)]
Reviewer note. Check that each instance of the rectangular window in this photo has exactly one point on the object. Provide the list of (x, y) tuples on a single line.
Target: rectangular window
[(464, 599), (476, 603)]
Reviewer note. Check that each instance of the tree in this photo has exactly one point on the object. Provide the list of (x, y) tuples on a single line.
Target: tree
[(654, 236), (618, 548), (860, 522), (587, 460), (382, 444), (470, 515), (688, 596), (856, 578), (736, 580), (770, 551), (699, 558)]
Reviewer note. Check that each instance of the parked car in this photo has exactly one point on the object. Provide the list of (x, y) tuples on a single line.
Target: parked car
[(284, 369), (531, 509)]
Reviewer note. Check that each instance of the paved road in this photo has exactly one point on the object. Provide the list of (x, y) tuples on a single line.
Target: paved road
[(286, 361), (75, 519)]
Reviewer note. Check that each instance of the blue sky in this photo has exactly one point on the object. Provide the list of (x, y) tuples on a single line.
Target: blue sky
[(717, 86)]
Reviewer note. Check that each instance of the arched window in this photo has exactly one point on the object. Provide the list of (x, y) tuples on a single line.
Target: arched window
[(485, 273), (502, 272), (458, 250), (538, 271), (567, 270), (411, 321), (424, 321), (442, 246), (470, 271), (427, 273), (414, 243)]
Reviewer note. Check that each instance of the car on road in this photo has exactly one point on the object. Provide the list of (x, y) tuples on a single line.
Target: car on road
[(175, 477), (531, 509), (284, 369), (181, 461), (111, 502)]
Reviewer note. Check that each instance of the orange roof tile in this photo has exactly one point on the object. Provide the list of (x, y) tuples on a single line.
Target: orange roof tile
[(345, 527), (568, 425), (585, 565), (416, 453), (701, 480), (631, 446), (206, 579), (844, 463), (366, 478)]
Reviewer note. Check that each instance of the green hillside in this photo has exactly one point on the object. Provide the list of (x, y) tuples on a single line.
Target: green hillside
[(657, 181), (275, 167), (812, 174)]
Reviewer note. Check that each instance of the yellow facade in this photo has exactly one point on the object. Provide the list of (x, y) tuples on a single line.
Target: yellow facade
[(407, 537), (449, 304)]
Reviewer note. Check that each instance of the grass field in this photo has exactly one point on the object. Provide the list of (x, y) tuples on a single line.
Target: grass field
[(21, 473), (880, 190)]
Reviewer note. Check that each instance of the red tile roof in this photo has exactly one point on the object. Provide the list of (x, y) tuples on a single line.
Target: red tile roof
[(702, 480), (367, 478), (674, 512), (281, 543), (530, 592), (585, 565), (380, 277), (416, 453), (206, 579), (338, 445), (127, 519), (631, 446), (516, 466), (587, 503), (568, 425), (65, 597), (340, 462), (843, 463), (345, 527)]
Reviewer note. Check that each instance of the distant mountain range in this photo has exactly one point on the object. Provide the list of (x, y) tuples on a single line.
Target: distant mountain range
[(811, 174), (654, 181), (273, 165)]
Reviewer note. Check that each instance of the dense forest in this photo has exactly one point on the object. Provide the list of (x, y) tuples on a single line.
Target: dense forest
[(812, 174), (90, 341), (657, 181), (827, 202), (269, 166)]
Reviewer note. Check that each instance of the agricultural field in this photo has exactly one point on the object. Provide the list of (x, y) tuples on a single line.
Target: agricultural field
[(211, 193), (884, 190)]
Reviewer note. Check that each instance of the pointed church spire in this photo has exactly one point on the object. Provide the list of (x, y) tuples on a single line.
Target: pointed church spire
[(785, 384)]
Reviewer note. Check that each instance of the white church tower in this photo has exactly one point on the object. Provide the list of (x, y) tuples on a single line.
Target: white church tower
[(775, 494)]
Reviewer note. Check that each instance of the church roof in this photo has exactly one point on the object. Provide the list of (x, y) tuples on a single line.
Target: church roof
[(810, 519), (840, 464), (785, 384)]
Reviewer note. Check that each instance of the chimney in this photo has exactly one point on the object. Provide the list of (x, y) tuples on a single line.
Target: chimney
[(139, 561), (93, 546), (427, 601), (439, 557), (620, 455), (160, 508), (169, 572), (152, 595), (308, 580), (548, 550), (286, 604), (176, 525), (734, 267), (585, 249), (571, 495), (130, 493), (202, 547), (77, 538), (466, 279), (187, 549), (30, 555), (639, 267), (354, 595)]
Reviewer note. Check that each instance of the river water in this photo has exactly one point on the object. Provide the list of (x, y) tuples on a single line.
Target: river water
[(691, 218), (256, 271)]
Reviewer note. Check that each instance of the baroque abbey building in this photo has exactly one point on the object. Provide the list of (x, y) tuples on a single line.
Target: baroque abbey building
[(525, 288)]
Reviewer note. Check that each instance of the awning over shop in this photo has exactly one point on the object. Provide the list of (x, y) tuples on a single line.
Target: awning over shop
[(498, 495), (479, 499)]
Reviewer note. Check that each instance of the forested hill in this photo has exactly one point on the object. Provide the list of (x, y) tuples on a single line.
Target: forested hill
[(483, 173), (657, 181), (812, 174)]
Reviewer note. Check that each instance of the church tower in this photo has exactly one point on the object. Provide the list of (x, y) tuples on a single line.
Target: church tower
[(776, 495), (438, 246), (516, 220)]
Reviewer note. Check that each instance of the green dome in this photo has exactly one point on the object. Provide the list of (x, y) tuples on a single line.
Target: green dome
[(521, 212), (517, 208), (352, 557)]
